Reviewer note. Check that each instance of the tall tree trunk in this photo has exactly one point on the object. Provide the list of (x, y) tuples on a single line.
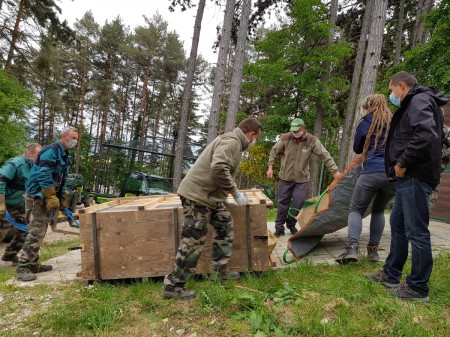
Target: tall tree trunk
[(80, 126), (236, 79), (399, 32), (219, 79), (182, 129), (349, 117), (320, 106), (15, 35), (418, 23), (420, 35), (372, 60), (142, 138)]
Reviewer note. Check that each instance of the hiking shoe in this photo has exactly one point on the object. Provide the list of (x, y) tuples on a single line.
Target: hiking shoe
[(380, 277), (178, 292), (279, 233), (228, 276), (350, 254), (40, 268), (25, 274), (293, 230), (372, 254), (405, 292), (10, 258)]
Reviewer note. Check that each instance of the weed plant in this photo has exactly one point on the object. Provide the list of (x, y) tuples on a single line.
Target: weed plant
[(302, 300)]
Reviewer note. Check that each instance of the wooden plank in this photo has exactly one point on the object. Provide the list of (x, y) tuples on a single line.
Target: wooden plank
[(104, 205)]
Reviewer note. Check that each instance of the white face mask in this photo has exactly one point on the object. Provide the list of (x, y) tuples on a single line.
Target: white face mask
[(71, 143), (298, 134), (253, 142)]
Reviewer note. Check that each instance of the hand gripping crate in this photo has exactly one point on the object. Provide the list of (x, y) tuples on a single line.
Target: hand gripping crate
[(137, 237)]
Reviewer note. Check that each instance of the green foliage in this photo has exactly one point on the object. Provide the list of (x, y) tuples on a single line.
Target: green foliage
[(254, 167), (430, 62), (285, 80), (14, 100)]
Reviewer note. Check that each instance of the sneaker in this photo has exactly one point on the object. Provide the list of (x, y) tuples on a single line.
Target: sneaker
[(40, 268), (405, 292), (178, 292), (25, 274), (10, 258), (372, 254), (228, 276), (380, 277), (279, 233), (350, 254)]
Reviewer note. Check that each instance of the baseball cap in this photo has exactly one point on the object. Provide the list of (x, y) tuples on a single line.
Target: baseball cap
[(296, 124)]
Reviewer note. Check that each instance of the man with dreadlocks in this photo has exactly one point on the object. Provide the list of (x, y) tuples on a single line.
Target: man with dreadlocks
[(373, 184)]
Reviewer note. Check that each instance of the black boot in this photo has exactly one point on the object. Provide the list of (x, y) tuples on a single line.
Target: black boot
[(292, 229), (350, 254), (10, 258), (372, 253)]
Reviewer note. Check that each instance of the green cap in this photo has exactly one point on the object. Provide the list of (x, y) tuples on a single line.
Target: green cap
[(296, 124)]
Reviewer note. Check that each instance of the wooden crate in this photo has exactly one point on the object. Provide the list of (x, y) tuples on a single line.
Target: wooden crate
[(137, 237)]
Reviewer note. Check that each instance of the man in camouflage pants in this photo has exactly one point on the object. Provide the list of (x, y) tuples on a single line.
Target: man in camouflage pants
[(46, 187), (202, 193), (13, 176)]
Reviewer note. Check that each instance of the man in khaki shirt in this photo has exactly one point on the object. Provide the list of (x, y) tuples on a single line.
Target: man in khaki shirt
[(295, 149)]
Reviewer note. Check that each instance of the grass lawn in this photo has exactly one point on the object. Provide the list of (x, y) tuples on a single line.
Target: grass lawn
[(305, 300)]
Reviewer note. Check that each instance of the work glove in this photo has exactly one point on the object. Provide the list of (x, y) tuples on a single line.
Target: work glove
[(51, 200), (63, 201), (240, 198), (2, 205)]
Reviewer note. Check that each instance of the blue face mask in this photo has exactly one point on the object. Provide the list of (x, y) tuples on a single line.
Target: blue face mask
[(394, 100)]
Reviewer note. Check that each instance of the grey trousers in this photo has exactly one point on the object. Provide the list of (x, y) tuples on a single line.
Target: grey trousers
[(287, 191), (373, 187)]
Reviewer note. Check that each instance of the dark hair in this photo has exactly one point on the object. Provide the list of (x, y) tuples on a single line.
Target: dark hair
[(250, 125), (403, 76)]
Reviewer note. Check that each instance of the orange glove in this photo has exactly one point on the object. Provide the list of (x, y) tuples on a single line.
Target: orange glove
[(51, 199), (2, 205)]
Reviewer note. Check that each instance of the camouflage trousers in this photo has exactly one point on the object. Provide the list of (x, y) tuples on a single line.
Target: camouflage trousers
[(193, 234), (29, 254), (16, 244), (433, 198)]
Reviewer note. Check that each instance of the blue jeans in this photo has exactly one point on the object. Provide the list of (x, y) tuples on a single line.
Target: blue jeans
[(375, 188), (409, 224)]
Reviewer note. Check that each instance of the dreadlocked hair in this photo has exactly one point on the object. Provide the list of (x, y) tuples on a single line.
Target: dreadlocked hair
[(377, 106)]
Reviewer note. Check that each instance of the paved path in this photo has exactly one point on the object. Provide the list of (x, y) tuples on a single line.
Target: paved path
[(67, 266), (333, 244)]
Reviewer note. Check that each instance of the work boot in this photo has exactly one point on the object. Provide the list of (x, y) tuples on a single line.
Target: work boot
[(229, 275), (406, 293), (279, 233), (224, 274), (178, 292), (293, 230), (25, 274), (10, 258), (382, 278), (40, 268), (372, 253), (350, 254)]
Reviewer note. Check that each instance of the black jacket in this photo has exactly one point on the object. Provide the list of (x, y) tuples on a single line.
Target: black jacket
[(415, 136)]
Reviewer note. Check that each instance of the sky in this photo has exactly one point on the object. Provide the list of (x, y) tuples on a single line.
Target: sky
[(131, 12)]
